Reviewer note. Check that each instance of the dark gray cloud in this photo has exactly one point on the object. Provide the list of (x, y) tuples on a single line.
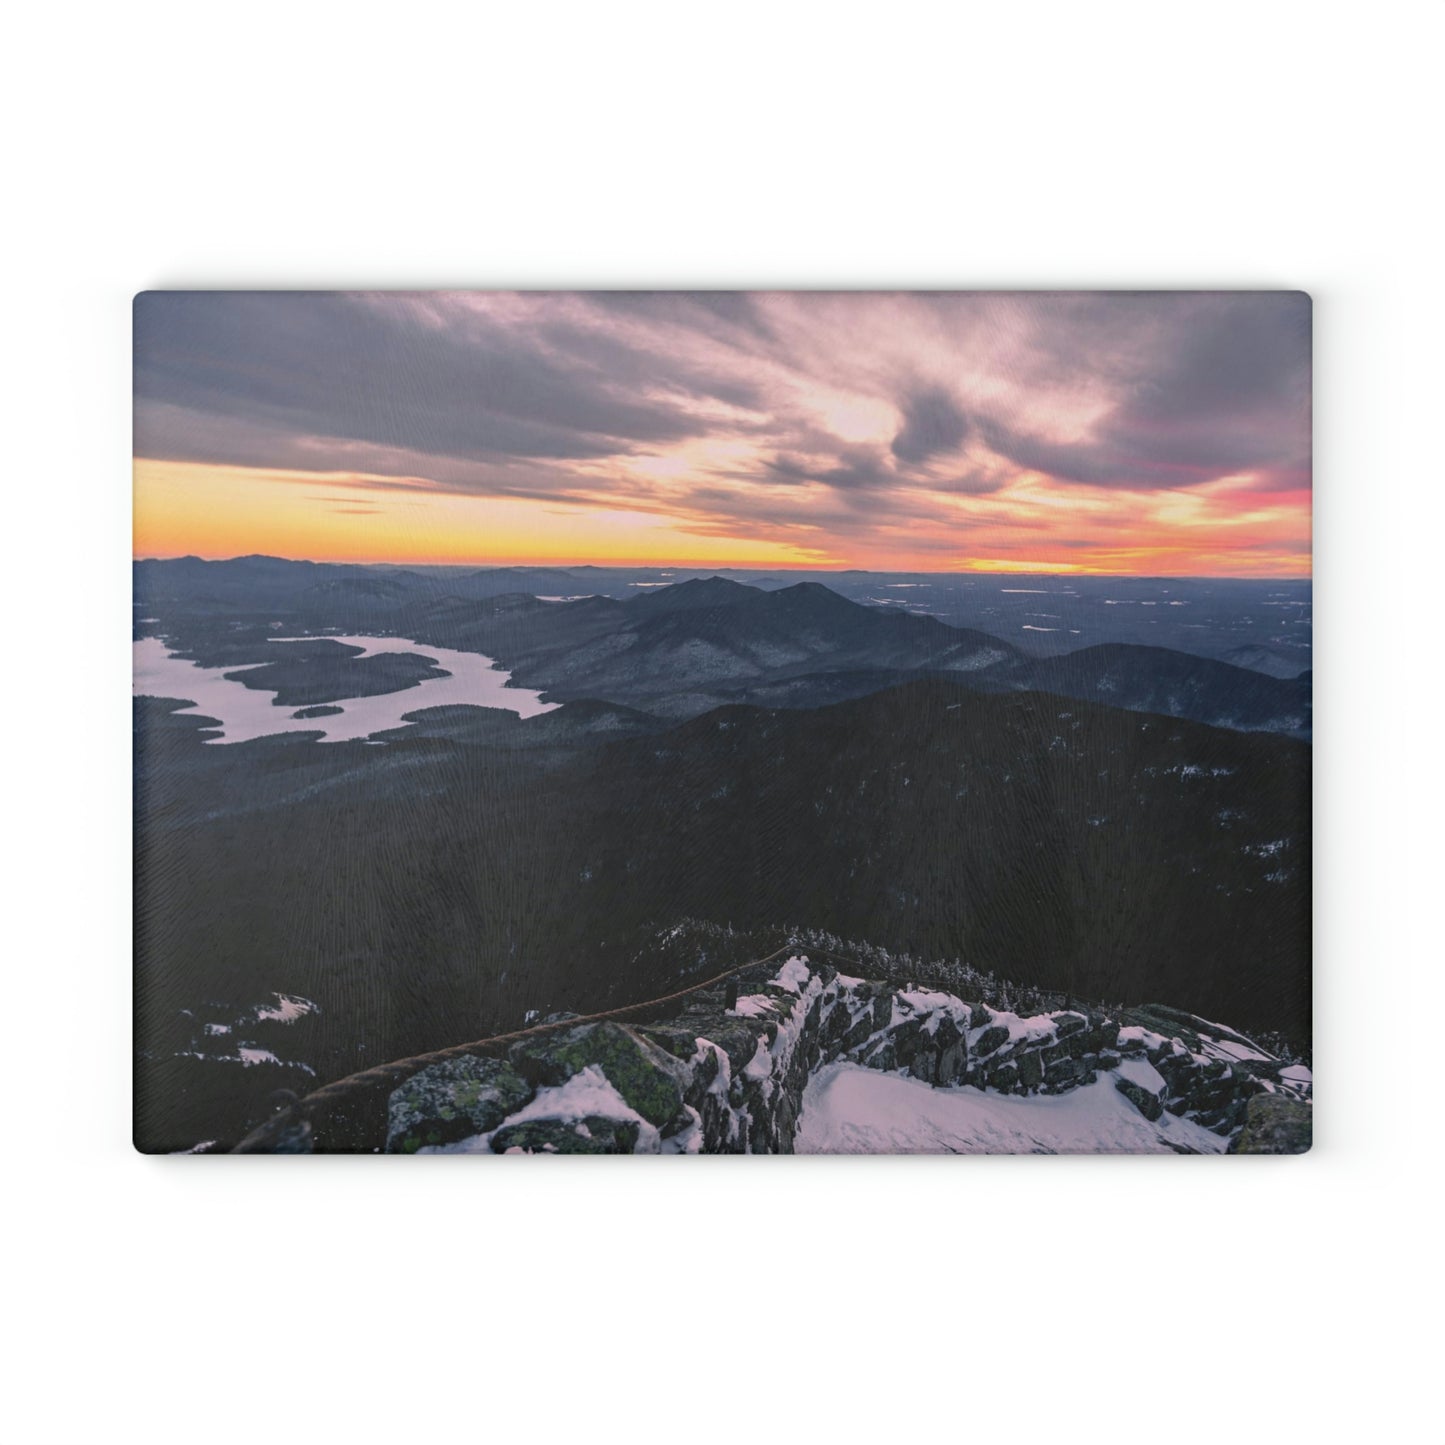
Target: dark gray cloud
[(537, 397), (1209, 385), (258, 370), (974, 482), (933, 422), (849, 469)]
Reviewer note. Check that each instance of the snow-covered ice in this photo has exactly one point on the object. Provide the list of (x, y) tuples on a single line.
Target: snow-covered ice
[(245, 713)]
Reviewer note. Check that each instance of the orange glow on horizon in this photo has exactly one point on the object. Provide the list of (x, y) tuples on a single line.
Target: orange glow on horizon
[(1031, 526), (185, 509)]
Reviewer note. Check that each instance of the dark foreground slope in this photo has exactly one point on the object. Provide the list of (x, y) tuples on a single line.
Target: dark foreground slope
[(432, 890), (1117, 855)]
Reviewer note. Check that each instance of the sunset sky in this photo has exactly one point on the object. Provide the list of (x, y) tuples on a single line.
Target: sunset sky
[(1105, 433)]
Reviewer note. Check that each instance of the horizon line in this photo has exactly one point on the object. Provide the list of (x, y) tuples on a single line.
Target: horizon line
[(739, 566)]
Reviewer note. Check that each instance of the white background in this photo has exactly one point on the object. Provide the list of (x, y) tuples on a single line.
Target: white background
[(1257, 144)]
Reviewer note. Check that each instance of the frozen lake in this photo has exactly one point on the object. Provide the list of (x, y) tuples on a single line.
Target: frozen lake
[(246, 713)]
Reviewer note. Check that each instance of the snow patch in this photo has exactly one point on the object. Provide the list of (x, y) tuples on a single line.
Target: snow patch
[(286, 1010), (752, 1006), (852, 1110), (793, 975)]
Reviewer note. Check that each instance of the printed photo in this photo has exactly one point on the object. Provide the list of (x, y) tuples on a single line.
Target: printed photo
[(722, 723)]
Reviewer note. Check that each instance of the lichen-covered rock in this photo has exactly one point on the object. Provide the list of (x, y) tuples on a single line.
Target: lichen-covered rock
[(678, 1039), (452, 1100), (1275, 1125), (592, 1135), (640, 1071)]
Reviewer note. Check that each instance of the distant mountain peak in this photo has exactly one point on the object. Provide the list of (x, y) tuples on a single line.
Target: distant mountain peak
[(812, 589), (521, 571), (814, 599), (716, 583), (697, 592)]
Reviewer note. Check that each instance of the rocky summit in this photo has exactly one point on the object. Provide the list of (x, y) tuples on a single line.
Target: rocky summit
[(751, 1067)]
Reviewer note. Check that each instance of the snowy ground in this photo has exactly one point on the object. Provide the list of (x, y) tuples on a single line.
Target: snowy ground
[(848, 1109)]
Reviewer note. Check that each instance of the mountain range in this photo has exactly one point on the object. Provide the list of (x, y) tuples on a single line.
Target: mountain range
[(682, 649)]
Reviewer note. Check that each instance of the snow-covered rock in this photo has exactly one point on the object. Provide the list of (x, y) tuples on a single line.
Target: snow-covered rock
[(738, 1077)]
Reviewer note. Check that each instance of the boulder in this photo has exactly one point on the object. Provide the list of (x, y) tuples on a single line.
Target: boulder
[(952, 1053), (737, 1037), (882, 1010), (592, 1135), (452, 1100), (837, 1025), (636, 1069), (858, 1032), (995, 1036), (1031, 1071), (1274, 1124), (704, 1071), (1149, 1105), (923, 1065), (1060, 1073), (883, 1056), (677, 1039)]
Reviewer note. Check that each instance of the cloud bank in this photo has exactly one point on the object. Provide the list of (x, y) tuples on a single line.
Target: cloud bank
[(854, 427)]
